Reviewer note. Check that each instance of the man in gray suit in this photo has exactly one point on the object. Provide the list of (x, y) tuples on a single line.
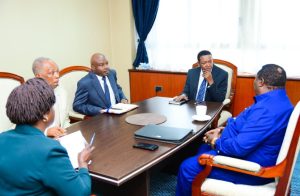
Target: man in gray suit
[(98, 90), (206, 82)]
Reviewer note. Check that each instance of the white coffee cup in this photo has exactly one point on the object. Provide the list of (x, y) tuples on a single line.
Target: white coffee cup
[(201, 110)]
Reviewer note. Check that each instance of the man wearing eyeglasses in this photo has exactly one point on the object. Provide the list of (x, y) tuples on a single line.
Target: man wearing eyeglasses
[(48, 70), (205, 82)]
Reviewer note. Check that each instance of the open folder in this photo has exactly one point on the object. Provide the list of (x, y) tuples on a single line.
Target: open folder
[(74, 143), (121, 108), (163, 133)]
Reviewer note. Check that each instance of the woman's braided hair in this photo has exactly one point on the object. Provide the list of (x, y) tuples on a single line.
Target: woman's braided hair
[(28, 102)]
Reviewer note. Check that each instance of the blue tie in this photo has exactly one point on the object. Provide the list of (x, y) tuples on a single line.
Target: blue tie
[(106, 92), (201, 92)]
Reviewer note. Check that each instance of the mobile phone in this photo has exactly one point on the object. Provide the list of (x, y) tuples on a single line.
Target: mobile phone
[(146, 146), (178, 102)]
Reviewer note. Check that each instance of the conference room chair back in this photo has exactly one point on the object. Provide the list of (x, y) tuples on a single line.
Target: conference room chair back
[(227, 110), (8, 81), (69, 77), (282, 171)]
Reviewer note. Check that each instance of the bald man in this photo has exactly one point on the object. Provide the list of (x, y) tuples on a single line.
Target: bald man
[(98, 90)]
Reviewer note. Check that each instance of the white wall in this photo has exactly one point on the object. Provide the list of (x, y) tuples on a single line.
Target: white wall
[(68, 31), (122, 40)]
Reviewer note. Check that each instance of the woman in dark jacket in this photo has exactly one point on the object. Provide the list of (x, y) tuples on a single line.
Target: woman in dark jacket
[(31, 163)]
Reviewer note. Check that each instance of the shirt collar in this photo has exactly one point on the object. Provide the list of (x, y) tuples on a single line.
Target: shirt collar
[(28, 130), (272, 93)]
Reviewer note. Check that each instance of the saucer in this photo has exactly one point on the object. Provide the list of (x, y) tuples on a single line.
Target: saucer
[(201, 118)]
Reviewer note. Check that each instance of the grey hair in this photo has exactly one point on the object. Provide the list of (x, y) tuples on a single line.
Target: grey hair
[(38, 63)]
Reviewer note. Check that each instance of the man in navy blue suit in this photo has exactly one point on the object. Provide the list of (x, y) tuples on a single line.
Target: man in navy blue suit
[(98, 90), (206, 82)]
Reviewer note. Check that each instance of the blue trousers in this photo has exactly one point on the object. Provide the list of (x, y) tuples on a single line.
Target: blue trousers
[(190, 168)]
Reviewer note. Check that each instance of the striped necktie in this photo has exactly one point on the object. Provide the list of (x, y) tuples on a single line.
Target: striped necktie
[(201, 92), (106, 92)]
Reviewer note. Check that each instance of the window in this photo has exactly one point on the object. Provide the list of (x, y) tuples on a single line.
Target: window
[(248, 33)]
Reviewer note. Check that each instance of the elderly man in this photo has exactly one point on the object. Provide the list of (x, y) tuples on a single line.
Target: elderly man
[(98, 90), (255, 135), (48, 70), (206, 82)]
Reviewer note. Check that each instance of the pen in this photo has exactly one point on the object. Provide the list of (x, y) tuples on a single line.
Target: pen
[(92, 139)]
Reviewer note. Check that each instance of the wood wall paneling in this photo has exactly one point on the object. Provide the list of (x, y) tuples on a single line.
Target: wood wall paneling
[(143, 82), (244, 94)]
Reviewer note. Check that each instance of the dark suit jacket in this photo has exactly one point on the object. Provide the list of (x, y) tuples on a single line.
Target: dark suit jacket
[(89, 97), (216, 92), (32, 164)]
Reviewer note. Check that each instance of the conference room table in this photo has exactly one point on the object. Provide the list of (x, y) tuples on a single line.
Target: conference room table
[(119, 169)]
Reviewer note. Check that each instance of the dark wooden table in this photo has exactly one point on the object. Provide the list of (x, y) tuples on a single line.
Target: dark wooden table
[(118, 167)]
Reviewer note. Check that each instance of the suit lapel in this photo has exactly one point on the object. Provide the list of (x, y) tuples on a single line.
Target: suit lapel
[(214, 72), (196, 81)]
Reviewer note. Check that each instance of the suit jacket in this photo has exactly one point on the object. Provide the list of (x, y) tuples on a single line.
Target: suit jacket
[(216, 92), (32, 164), (60, 107), (63, 105), (89, 97)]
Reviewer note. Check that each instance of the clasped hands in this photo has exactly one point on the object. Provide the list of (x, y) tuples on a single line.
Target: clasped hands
[(212, 135)]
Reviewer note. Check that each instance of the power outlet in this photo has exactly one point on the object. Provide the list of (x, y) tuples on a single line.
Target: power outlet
[(158, 88)]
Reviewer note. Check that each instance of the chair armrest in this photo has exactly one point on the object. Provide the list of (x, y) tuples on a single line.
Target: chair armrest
[(246, 167), (237, 163), (226, 101)]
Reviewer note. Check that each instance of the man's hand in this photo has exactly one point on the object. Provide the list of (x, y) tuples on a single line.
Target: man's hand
[(208, 76), (180, 97), (55, 132), (124, 101), (211, 134)]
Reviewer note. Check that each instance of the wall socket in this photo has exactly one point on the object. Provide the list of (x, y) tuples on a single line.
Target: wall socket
[(158, 88)]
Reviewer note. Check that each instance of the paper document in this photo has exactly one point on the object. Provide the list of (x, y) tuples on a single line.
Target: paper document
[(74, 144), (121, 108)]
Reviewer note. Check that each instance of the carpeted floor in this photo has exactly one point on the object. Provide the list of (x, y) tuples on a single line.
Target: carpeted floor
[(295, 185), (163, 184)]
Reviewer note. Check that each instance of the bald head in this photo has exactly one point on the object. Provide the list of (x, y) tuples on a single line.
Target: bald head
[(99, 64)]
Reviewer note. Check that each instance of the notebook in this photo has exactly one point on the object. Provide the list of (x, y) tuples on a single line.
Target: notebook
[(121, 108), (163, 133), (74, 144)]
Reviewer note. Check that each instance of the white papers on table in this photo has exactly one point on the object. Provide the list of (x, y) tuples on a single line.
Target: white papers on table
[(121, 108), (74, 144)]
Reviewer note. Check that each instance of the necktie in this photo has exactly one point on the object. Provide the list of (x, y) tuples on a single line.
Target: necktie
[(201, 93), (106, 92)]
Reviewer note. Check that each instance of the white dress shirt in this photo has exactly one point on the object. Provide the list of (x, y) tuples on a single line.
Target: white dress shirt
[(111, 92)]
